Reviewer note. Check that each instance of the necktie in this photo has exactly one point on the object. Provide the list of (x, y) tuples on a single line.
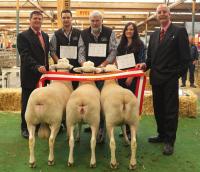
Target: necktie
[(162, 34), (41, 40), (42, 43)]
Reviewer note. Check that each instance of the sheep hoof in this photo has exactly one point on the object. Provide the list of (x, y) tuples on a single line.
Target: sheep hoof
[(113, 166), (70, 164), (50, 163), (32, 165), (132, 166), (93, 165)]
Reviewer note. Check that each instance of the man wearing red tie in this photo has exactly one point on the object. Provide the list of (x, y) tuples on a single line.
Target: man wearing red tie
[(33, 47), (168, 57)]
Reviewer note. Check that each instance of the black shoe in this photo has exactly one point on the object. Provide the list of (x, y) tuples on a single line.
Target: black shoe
[(25, 133), (183, 85), (168, 149), (155, 139), (87, 130), (193, 86)]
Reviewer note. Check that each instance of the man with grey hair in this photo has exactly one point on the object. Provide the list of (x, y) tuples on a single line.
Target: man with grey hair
[(168, 57), (97, 44)]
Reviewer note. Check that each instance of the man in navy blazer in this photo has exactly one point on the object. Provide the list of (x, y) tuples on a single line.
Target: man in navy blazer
[(33, 47), (168, 57)]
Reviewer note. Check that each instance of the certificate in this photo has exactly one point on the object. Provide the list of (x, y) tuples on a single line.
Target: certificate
[(69, 52), (97, 50), (125, 61)]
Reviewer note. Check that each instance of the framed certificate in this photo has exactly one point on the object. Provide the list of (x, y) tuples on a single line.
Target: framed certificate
[(125, 61), (97, 50), (69, 52)]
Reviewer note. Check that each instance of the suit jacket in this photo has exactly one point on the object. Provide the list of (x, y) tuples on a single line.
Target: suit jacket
[(32, 56), (169, 58)]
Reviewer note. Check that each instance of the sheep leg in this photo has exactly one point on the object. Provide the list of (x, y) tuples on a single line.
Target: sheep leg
[(54, 131), (71, 146), (132, 164), (31, 130), (78, 132), (93, 146), (113, 162)]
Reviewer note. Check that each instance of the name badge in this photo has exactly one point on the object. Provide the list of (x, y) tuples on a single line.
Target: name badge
[(125, 61), (97, 50), (69, 52)]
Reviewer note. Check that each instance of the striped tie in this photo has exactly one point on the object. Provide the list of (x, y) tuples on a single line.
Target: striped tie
[(41, 40), (162, 34)]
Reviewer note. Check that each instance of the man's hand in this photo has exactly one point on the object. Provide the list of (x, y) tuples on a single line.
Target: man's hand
[(194, 62), (42, 69), (141, 66)]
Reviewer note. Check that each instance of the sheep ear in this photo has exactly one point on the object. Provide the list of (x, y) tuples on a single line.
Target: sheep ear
[(77, 70), (70, 66)]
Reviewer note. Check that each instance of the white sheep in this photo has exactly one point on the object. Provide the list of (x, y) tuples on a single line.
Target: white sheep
[(84, 107), (120, 106), (46, 105)]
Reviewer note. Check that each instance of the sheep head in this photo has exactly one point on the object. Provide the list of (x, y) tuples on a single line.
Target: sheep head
[(110, 68), (88, 67), (63, 65)]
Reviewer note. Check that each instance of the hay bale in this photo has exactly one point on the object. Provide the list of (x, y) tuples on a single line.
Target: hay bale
[(10, 62), (187, 104), (147, 108), (148, 86), (10, 99)]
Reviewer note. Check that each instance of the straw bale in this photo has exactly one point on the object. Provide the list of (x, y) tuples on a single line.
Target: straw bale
[(147, 73), (10, 99), (197, 81), (148, 86), (7, 62), (147, 108), (187, 104)]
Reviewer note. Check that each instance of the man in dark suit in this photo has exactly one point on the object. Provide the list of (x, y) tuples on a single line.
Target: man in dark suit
[(33, 47), (168, 57)]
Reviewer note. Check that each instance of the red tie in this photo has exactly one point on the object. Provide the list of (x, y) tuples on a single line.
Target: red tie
[(43, 44), (41, 39), (162, 34)]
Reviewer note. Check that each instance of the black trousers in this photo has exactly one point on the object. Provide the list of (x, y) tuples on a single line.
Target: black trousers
[(166, 105), (24, 100), (191, 68)]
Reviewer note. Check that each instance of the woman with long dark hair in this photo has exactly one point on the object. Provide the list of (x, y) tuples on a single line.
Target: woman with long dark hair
[(131, 43)]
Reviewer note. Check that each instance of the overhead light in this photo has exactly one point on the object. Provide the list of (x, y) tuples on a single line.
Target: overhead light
[(184, 13), (127, 21), (6, 20), (178, 22), (124, 12)]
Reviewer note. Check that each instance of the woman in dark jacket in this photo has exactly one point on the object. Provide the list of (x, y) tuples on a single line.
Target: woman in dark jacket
[(131, 43)]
